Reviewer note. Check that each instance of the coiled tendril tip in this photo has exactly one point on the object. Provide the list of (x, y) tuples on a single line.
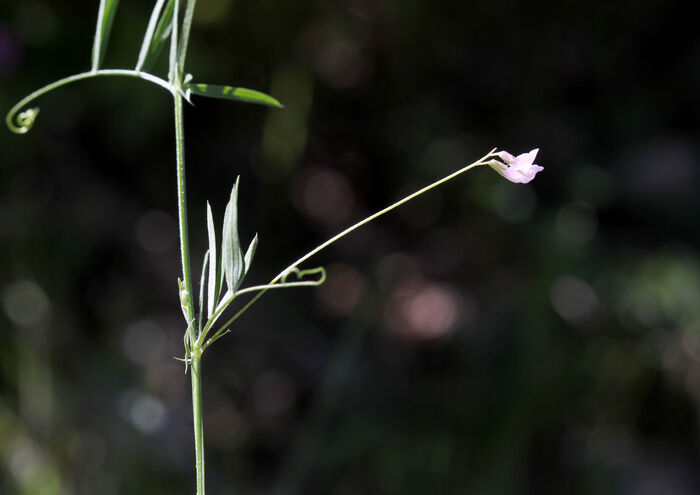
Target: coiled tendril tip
[(21, 123)]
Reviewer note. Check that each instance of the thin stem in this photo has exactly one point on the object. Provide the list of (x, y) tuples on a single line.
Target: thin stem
[(196, 351), (196, 372), (182, 204), (380, 213), (287, 285), (316, 250), (22, 129)]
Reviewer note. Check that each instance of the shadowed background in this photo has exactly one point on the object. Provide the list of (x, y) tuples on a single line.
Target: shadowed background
[(487, 338)]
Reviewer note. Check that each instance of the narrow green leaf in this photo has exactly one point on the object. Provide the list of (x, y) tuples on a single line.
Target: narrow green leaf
[(231, 255), (185, 35), (214, 270), (249, 254), (157, 33), (231, 93), (184, 299), (105, 19), (201, 289), (187, 338), (173, 75)]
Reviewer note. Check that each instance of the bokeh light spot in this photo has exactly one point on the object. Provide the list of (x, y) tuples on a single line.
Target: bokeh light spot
[(26, 303), (577, 222), (10, 52), (26, 460), (573, 299), (514, 204), (420, 310), (342, 290), (144, 342), (156, 232), (341, 64), (326, 196), (229, 427), (273, 393), (144, 411), (36, 22)]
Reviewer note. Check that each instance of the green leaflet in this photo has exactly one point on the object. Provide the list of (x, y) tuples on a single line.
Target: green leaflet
[(236, 94), (158, 31), (105, 19), (173, 73), (185, 35), (249, 254), (231, 254), (188, 341), (201, 289), (214, 270)]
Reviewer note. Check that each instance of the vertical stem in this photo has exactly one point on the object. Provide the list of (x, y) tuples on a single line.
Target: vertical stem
[(195, 371), (177, 65), (196, 352), (182, 203)]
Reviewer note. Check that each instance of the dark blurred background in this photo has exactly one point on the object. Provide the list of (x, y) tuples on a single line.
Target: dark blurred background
[(487, 338)]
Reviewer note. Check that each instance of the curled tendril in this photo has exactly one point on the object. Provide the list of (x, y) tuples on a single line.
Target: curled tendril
[(300, 274), (20, 118), (279, 283), (24, 120)]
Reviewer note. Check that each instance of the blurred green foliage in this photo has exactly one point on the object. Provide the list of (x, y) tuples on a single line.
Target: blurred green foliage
[(489, 338)]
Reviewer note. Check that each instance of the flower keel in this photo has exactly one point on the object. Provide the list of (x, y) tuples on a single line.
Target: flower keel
[(520, 169)]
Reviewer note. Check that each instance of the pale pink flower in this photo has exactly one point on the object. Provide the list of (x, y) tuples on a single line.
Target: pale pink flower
[(520, 169)]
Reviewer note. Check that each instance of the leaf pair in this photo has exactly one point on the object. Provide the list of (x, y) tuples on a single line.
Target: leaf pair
[(157, 32), (159, 29), (232, 266), (235, 265)]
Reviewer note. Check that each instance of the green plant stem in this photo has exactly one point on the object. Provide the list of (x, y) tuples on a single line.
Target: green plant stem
[(182, 204), (196, 373), (175, 76), (196, 350)]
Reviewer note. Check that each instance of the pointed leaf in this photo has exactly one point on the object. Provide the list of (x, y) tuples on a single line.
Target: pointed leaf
[(214, 270), (232, 93), (157, 33), (173, 75), (201, 289), (188, 340), (105, 19), (250, 253), (231, 255)]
